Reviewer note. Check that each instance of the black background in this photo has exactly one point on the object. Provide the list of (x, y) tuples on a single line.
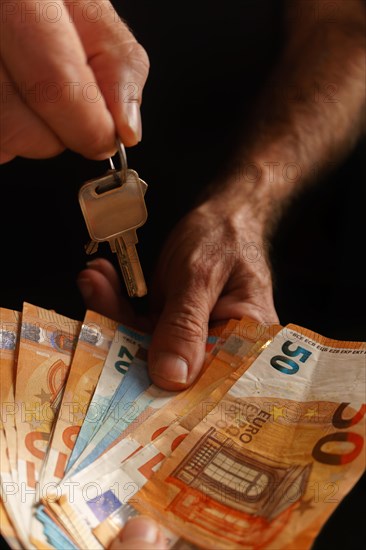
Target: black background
[(208, 63)]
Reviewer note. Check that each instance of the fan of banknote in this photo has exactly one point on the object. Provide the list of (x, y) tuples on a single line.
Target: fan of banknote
[(257, 453)]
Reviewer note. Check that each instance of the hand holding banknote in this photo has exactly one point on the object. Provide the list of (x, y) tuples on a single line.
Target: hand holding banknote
[(207, 273)]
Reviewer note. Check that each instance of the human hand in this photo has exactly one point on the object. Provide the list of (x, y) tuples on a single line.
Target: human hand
[(72, 76), (212, 268), (139, 533)]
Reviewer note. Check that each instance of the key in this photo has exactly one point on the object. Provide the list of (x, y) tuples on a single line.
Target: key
[(114, 208), (91, 246), (112, 212)]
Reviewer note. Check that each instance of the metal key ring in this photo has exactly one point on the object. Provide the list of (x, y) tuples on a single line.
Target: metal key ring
[(123, 160)]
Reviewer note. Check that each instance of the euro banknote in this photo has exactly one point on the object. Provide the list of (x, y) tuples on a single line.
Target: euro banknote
[(258, 452)]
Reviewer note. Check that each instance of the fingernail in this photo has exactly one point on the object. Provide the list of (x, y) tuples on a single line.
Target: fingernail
[(133, 116), (142, 529), (171, 367), (85, 287)]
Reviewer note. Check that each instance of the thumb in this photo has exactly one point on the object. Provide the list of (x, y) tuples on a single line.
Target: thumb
[(119, 63), (140, 533), (177, 348)]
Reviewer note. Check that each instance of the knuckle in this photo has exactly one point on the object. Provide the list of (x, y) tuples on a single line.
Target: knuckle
[(143, 59), (204, 273), (138, 54), (187, 324), (208, 276), (136, 57)]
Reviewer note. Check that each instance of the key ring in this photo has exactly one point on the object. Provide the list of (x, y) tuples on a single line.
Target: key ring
[(123, 160)]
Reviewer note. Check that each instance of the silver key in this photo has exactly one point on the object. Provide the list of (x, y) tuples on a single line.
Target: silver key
[(91, 246), (114, 208)]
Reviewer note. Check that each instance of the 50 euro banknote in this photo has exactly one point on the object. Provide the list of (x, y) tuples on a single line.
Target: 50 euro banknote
[(274, 457)]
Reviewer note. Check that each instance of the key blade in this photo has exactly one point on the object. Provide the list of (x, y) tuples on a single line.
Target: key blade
[(131, 268)]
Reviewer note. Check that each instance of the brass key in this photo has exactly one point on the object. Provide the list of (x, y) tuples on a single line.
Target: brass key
[(114, 208)]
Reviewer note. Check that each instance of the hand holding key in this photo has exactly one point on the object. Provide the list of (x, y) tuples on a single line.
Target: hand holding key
[(73, 54), (114, 207)]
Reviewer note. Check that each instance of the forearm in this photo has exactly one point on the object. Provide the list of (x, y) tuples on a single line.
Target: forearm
[(308, 118)]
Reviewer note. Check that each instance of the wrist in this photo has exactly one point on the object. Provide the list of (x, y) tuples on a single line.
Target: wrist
[(259, 185), (232, 221), (246, 196)]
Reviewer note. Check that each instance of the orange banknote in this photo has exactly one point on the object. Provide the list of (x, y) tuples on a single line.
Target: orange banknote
[(270, 462)]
